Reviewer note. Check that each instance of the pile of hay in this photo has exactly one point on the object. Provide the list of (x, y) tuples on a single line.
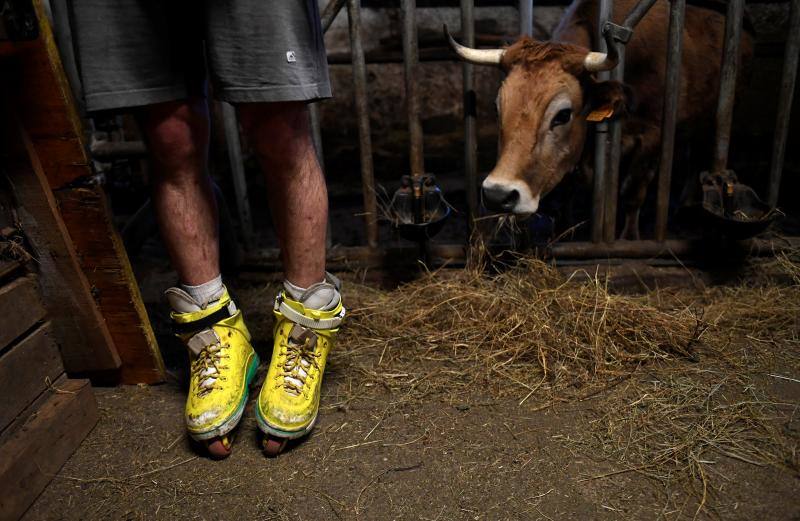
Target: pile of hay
[(529, 328)]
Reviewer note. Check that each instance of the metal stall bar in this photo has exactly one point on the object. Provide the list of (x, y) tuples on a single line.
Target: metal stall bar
[(677, 12), (327, 18), (622, 35), (650, 249), (452, 255), (231, 125), (316, 137), (411, 59), (364, 132), (525, 18), (790, 62), (614, 156), (470, 113), (330, 13), (637, 13), (727, 84), (601, 137)]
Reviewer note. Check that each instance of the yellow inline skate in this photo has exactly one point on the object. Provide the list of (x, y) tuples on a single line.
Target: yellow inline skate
[(222, 365), (289, 399)]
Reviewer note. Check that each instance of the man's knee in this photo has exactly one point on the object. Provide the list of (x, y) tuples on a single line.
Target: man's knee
[(279, 132), (177, 133)]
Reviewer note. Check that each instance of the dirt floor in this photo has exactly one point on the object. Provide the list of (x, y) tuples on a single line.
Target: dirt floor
[(421, 427)]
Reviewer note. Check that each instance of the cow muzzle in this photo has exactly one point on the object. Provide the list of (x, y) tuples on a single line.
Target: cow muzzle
[(500, 199), (509, 197)]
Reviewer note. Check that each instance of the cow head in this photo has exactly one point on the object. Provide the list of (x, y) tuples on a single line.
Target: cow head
[(542, 107)]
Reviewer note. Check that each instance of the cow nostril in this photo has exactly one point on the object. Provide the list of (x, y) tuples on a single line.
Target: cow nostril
[(500, 199), (511, 200)]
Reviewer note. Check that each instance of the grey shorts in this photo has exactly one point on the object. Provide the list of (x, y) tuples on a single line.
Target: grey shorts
[(140, 52)]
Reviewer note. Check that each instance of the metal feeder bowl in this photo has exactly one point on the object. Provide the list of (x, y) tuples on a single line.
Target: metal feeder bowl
[(733, 209), (418, 209)]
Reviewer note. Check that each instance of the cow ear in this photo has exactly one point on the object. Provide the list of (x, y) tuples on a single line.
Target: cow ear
[(608, 99)]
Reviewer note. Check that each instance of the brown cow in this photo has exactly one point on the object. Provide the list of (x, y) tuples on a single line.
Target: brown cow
[(550, 89)]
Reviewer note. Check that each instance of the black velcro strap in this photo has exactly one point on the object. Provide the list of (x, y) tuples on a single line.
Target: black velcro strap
[(202, 323)]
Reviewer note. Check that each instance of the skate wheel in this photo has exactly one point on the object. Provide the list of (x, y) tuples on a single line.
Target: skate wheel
[(273, 445), (219, 448)]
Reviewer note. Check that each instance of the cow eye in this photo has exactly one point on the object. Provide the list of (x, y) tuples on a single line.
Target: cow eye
[(562, 117)]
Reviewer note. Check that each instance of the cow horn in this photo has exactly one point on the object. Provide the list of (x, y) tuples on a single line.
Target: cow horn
[(602, 61), (476, 56)]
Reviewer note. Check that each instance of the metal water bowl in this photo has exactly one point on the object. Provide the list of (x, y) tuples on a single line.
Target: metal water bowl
[(733, 209), (418, 210)]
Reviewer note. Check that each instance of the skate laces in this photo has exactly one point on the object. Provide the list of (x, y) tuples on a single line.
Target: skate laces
[(206, 367), (301, 357)]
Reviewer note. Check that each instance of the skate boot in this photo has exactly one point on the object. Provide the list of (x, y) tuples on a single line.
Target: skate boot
[(222, 365), (289, 399)]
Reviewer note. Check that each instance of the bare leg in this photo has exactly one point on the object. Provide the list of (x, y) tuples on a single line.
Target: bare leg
[(177, 138), (298, 198)]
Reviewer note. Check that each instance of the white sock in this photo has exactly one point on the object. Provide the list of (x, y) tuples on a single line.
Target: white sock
[(322, 295), (207, 292)]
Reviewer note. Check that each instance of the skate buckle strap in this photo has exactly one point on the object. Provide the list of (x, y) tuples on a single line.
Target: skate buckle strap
[(182, 328), (201, 340), (301, 336), (312, 323)]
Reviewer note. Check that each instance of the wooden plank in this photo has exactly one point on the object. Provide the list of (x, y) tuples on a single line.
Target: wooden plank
[(51, 117), (51, 120), (102, 257), (60, 161), (78, 326), (33, 454), (26, 370), (20, 307)]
